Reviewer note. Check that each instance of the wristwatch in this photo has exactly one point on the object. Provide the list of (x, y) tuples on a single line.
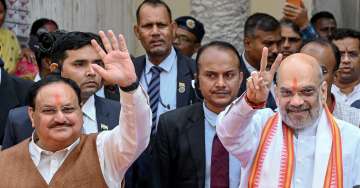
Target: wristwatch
[(131, 87)]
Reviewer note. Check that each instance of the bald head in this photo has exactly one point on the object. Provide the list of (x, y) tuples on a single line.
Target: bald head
[(298, 66)]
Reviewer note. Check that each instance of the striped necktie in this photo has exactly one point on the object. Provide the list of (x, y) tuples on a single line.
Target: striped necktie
[(154, 94)]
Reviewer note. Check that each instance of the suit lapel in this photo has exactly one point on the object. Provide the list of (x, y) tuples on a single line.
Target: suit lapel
[(196, 139), (7, 92), (184, 77), (102, 115), (139, 65), (246, 74)]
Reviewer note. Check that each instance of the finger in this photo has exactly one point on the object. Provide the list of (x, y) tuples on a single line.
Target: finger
[(98, 48), (105, 41), (255, 80), (122, 43), (276, 64), (290, 15), (114, 41), (264, 58), (290, 5), (302, 5), (250, 85), (101, 71)]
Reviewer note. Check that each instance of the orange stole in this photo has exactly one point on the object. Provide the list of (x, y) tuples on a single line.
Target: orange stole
[(334, 172)]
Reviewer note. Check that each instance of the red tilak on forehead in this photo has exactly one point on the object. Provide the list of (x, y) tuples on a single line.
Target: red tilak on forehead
[(294, 85), (57, 99)]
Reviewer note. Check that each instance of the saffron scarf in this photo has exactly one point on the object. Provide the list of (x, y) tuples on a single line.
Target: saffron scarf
[(274, 158)]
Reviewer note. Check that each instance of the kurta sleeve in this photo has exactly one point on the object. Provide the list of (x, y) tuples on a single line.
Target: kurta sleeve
[(120, 147)]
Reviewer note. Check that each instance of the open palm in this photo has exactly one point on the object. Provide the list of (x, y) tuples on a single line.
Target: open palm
[(118, 67)]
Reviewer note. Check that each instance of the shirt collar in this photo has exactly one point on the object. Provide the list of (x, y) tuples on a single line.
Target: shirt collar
[(166, 64), (36, 151), (210, 116), (247, 64), (101, 92), (89, 108)]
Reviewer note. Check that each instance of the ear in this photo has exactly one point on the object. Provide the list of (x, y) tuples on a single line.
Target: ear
[(196, 47), (323, 88), (247, 42), (54, 67), (137, 32), (30, 111), (174, 27)]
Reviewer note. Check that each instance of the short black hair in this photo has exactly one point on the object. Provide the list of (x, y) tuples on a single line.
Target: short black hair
[(327, 43), (72, 41), (154, 3), (221, 45), (50, 79), (321, 14), (291, 24), (261, 21), (342, 33)]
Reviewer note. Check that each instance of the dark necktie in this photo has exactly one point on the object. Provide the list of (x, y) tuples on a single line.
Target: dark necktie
[(154, 94), (219, 165)]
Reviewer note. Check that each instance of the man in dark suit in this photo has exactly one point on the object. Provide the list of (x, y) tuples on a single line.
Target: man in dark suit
[(163, 72), (187, 150), (261, 30), (13, 92), (72, 58)]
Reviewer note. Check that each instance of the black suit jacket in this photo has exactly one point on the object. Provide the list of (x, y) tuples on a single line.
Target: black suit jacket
[(13, 92), (270, 103), (18, 126), (179, 150), (140, 173)]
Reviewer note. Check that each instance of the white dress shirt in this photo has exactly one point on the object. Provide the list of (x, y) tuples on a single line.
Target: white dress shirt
[(89, 116), (240, 127), (117, 149), (347, 99), (101, 92), (234, 163), (168, 82)]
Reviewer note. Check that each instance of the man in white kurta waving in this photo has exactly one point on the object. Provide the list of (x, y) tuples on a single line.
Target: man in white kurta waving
[(302, 145)]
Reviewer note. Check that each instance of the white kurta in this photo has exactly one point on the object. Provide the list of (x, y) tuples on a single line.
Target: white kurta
[(240, 127)]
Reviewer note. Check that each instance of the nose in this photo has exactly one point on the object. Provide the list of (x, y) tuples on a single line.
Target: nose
[(275, 48), (60, 117), (296, 100), (345, 58), (90, 71), (155, 30), (220, 82), (286, 44)]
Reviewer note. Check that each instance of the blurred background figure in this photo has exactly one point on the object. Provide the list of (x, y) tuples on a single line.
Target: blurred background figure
[(40, 43), (324, 23), (10, 50), (188, 35), (291, 40)]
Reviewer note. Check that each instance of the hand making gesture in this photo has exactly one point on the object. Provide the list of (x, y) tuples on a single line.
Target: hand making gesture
[(118, 67), (259, 83)]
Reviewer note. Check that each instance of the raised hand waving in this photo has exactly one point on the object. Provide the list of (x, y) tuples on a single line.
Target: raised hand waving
[(118, 67)]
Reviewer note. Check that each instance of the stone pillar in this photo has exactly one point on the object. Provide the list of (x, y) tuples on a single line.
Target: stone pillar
[(223, 19)]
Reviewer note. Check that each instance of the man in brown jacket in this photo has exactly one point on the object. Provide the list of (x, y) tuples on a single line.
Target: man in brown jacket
[(58, 155)]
